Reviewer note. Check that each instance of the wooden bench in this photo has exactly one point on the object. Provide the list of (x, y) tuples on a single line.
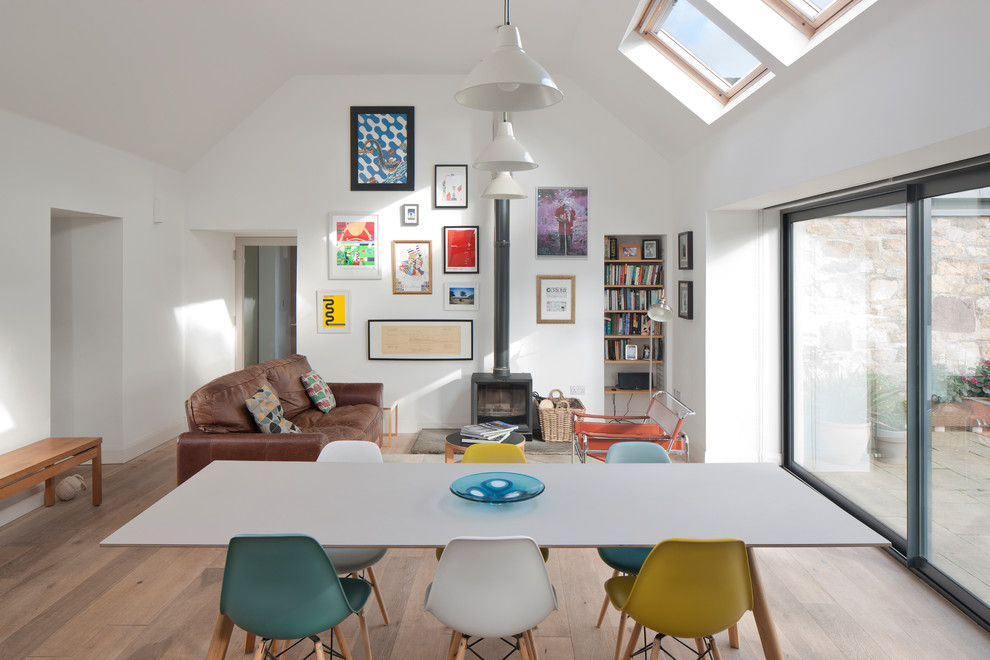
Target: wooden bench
[(43, 460)]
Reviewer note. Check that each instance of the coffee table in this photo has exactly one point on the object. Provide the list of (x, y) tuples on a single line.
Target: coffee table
[(454, 444)]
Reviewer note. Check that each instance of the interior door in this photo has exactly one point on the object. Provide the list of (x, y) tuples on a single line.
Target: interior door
[(265, 295)]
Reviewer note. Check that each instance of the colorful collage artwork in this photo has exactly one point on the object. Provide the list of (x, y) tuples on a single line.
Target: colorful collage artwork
[(354, 247)]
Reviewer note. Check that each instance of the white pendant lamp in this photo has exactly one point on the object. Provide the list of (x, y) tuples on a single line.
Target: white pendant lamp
[(508, 79), (503, 186), (505, 153)]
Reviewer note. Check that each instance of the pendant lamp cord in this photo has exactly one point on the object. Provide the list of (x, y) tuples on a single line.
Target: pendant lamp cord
[(506, 12)]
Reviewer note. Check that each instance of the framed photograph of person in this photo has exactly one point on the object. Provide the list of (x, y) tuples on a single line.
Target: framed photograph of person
[(412, 267), (450, 186), (460, 249), (685, 250), (651, 249), (383, 154), (628, 252), (562, 222), (410, 215), (685, 299), (632, 352), (460, 296)]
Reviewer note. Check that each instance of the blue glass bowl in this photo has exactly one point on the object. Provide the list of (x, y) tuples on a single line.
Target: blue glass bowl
[(497, 487)]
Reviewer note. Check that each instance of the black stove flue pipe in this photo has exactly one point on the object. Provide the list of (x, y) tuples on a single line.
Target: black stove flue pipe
[(501, 288)]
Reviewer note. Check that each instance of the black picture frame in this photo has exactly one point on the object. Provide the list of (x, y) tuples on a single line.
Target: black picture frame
[(450, 186), (685, 250), (460, 249), (386, 339), (685, 299), (383, 144), (651, 246)]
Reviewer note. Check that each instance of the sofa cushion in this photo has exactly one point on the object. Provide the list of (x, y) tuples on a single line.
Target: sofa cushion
[(318, 392), (284, 375), (267, 411), (354, 422), (218, 406)]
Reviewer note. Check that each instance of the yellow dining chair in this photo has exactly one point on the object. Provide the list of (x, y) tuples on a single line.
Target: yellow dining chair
[(687, 588), (494, 452)]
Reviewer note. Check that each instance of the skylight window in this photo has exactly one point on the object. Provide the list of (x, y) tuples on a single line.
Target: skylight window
[(700, 48), (809, 16)]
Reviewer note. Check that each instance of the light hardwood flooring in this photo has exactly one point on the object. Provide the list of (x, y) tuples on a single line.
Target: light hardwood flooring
[(63, 596)]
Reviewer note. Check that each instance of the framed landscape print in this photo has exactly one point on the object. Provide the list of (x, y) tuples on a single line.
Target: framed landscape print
[(333, 311), (382, 148), (420, 340), (460, 249), (555, 299), (353, 247), (412, 267), (685, 250), (562, 222), (685, 299), (460, 296), (450, 186), (410, 215)]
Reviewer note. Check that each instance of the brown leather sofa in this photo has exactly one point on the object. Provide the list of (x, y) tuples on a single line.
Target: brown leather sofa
[(222, 429)]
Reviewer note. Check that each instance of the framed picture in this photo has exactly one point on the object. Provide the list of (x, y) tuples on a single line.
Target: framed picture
[(651, 248), (420, 340), (685, 250), (555, 299), (383, 148), (412, 267), (685, 299), (333, 311), (631, 352), (460, 249), (628, 251), (450, 186), (410, 215), (562, 222), (460, 296), (353, 247)]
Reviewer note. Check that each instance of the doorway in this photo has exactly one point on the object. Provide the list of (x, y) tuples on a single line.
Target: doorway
[(265, 295)]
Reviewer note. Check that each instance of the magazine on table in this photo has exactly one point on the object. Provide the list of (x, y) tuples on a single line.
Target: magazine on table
[(490, 431)]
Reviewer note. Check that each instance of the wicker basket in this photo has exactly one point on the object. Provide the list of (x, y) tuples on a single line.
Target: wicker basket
[(556, 421)]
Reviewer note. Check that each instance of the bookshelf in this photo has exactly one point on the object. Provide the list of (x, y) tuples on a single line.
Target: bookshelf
[(631, 285)]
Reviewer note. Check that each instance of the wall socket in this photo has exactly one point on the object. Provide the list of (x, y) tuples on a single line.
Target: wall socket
[(676, 393), (576, 390)]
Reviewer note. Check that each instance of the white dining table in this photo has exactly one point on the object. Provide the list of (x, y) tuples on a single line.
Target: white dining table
[(411, 505)]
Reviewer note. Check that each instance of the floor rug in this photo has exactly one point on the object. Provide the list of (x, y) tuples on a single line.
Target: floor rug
[(430, 441)]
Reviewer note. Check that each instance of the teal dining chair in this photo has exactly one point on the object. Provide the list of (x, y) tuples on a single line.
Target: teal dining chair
[(284, 587)]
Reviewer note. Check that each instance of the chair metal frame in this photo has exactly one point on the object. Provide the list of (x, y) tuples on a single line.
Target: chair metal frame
[(662, 424)]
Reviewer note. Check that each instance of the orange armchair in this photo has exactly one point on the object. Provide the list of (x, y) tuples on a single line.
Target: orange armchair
[(594, 434)]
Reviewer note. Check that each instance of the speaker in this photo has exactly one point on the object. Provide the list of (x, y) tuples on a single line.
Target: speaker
[(634, 380)]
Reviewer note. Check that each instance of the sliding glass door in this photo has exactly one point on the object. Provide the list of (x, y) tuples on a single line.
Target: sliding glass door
[(887, 367)]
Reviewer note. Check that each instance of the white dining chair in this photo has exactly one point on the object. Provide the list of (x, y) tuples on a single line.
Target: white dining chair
[(491, 587)]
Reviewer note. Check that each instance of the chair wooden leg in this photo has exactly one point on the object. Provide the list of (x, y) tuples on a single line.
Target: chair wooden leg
[(378, 594), (734, 636), (365, 638), (259, 654), (715, 654), (601, 614), (655, 651), (455, 638), (632, 641), (318, 649), (620, 634), (523, 647), (221, 638), (346, 652), (533, 652), (700, 643), (249, 642), (461, 648)]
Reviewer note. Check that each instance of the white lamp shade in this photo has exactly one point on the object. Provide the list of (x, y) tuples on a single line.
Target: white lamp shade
[(503, 186), (660, 312), (508, 79), (505, 153)]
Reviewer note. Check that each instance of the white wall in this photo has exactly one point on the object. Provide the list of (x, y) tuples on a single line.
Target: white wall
[(850, 112), (43, 168), (284, 170)]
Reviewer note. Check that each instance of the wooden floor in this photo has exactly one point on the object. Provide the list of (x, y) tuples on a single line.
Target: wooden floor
[(63, 596)]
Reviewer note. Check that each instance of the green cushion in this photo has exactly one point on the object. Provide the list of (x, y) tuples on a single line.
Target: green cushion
[(318, 392)]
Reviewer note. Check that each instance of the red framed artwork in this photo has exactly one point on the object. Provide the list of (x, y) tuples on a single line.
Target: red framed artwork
[(460, 249)]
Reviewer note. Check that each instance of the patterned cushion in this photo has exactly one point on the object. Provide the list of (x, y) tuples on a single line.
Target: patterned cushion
[(318, 392), (268, 415)]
